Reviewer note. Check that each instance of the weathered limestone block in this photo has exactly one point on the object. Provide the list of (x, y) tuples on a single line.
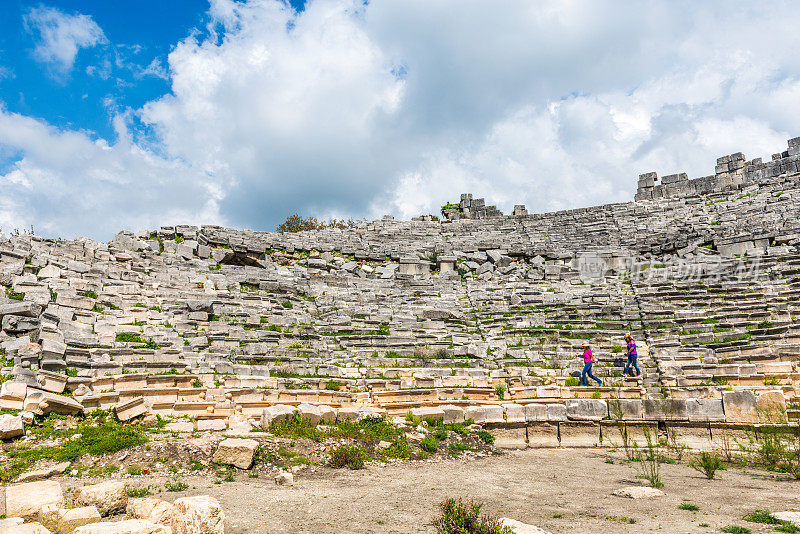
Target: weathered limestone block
[(12, 395), (428, 412), (198, 515), (625, 409), (510, 438), (27, 500), (151, 509), (519, 527), (41, 474), (701, 410), (488, 413), (284, 479), (665, 409), (556, 412), (43, 402), (236, 452), (21, 308), (580, 434), (69, 520), (586, 409), (514, 413), (535, 412), (11, 426), (109, 497), (739, 406), (52, 382), (127, 410), (771, 407), (17, 324), (27, 528), (638, 492), (53, 349), (452, 413), (310, 412), (128, 526), (276, 413)]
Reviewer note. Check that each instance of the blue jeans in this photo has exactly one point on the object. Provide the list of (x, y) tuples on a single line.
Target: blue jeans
[(631, 362), (587, 371)]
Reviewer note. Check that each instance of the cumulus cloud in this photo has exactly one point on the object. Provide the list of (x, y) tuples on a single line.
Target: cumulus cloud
[(359, 109), (66, 184), (59, 36)]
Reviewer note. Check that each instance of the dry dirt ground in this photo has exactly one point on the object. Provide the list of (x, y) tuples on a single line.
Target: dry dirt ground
[(562, 490)]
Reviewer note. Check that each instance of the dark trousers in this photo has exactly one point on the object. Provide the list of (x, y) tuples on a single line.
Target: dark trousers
[(587, 371), (631, 363)]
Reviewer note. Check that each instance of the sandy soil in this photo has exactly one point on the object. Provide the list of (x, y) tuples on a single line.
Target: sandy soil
[(559, 490)]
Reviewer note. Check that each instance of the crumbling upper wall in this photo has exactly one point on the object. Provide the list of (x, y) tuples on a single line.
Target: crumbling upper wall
[(732, 172)]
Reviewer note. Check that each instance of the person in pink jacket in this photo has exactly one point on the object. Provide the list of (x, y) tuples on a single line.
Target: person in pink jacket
[(588, 361)]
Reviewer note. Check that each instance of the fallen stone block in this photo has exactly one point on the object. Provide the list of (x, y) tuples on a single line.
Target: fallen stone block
[(12, 395), (198, 515), (790, 517), (109, 497), (151, 509), (310, 412), (128, 526), (586, 409), (625, 409), (366, 412), (125, 411), (284, 479), (771, 407), (521, 528), (69, 520), (11, 426), (637, 492), (215, 425), (18, 324), (23, 309), (514, 413), (27, 500), (236, 452), (43, 402), (52, 382), (27, 528), (41, 474), (276, 413)]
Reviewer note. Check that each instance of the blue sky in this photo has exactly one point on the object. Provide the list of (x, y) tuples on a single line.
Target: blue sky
[(138, 114)]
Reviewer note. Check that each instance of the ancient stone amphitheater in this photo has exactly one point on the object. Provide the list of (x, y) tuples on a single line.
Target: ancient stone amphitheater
[(479, 315)]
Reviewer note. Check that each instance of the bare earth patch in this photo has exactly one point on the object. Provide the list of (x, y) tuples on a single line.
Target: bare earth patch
[(562, 490)]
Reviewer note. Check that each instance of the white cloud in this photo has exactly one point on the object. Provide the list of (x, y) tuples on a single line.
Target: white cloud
[(354, 109), (66, 184), (59, 36)]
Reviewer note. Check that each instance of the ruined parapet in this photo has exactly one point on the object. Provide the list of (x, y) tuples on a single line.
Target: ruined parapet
[(731, 172), (470, 208)]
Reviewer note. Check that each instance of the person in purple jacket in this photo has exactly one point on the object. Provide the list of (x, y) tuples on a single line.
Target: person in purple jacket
[(632, 357), (588, 360)]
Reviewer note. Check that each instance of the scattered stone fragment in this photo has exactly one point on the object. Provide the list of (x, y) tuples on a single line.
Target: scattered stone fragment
[(638, 492)]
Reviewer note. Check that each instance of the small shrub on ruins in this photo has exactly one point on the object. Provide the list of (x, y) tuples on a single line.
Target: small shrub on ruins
[(150, 344), (295, 427), (333, 385), (135, 470), (88, 293), (433, 422), (128, 337), (691, 507), (775, 448), (440, 433), (411, 418), (500, 390), (287, 304), (735, 529), (486, 437), (176, 485), (400, 449), (572, 381), (761, 516), (707, 463), (616, 348), (787, 526), (457, 448), (351, 456), (459, 517), (138, 492), (13, 295), (429, 444), (196, 383)]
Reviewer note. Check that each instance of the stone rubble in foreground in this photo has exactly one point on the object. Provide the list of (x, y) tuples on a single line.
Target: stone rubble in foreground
[(479, 316)]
